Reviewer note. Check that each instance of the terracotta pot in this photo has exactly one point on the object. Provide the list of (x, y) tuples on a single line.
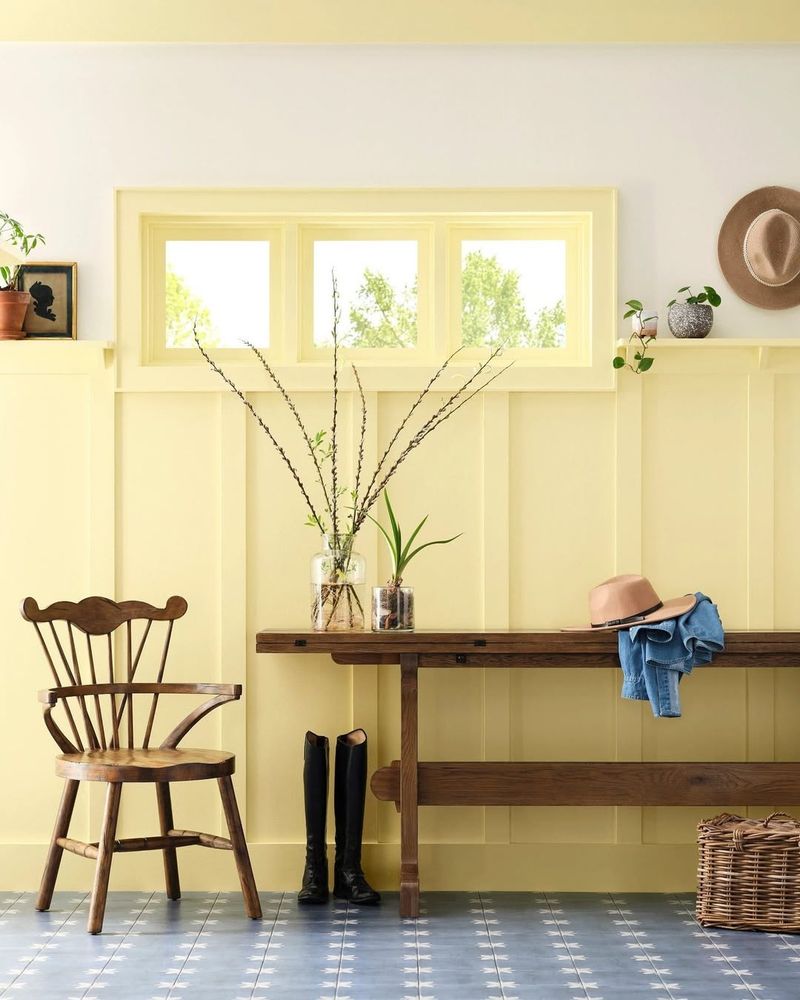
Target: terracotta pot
[(13, 306)]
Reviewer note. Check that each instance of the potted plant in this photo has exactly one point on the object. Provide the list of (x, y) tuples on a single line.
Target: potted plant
[(692, 317), (645, 329), (13, 302), (393, 604)]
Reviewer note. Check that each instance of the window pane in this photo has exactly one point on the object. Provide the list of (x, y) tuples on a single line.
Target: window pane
[(377, 282), (224, 285), (513, 291)]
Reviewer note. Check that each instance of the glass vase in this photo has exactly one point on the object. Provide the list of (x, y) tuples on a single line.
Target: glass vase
[(337, 586), (392, 609)]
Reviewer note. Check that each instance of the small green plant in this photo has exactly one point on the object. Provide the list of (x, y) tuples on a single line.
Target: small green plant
[(11, 232), (402, 554), (709, 295), (643, 362)]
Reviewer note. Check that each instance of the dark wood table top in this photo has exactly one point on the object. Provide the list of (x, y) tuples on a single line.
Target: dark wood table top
[(551, 648)]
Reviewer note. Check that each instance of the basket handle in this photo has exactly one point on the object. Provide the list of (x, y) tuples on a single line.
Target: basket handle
[(738, 831), (776, 814), (721, 819)]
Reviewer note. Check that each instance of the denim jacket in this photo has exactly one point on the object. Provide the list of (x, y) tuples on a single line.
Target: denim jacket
[(655, 655)]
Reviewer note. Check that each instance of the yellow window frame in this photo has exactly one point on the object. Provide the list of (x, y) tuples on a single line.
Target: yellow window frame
[(159, 232), (437, 218), (574, 230)]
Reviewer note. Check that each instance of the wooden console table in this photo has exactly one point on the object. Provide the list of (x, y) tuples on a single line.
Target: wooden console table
[(411, 783)]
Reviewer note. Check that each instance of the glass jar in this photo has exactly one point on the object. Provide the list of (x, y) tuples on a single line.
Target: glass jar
[(392, 609), (337, 586)]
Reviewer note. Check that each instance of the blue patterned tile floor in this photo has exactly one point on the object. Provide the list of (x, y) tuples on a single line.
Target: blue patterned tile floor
[(466, 946)]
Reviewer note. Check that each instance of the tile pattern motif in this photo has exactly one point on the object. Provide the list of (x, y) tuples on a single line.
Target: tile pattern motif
[(465, 946)]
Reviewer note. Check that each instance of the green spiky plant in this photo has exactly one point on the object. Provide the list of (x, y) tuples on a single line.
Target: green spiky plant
[(400, 552)]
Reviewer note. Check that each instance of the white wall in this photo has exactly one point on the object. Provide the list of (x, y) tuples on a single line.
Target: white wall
[(682, 132)]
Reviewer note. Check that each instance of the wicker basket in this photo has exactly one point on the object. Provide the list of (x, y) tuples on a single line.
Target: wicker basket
[(748, 875)]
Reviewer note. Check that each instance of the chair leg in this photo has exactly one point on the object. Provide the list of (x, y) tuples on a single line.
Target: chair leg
[(252, 903), (170, 854), (105, 854), (55, 852)]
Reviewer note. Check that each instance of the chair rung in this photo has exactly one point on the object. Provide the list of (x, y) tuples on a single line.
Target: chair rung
[(186, 839), (77, 847), (175, 838), (204, 839)]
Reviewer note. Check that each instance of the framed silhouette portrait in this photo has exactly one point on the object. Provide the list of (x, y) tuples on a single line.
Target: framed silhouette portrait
[(53, 309)]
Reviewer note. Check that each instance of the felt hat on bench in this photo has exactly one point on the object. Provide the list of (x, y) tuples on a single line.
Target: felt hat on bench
[(628, 600), (759, 248)]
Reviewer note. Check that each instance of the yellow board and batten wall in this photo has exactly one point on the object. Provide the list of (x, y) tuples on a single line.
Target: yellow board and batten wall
[(689, 474)]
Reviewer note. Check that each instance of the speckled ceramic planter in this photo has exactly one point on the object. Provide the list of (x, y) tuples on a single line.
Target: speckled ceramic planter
[(692, 320)]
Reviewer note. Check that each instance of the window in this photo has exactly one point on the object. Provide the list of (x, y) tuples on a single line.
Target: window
[(419, 275), (525, 284), (222, 278), (377, 288), (513, 292), (383, 287), (198, 292)]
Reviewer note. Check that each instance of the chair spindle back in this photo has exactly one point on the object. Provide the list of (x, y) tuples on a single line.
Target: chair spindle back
[(99, 618)]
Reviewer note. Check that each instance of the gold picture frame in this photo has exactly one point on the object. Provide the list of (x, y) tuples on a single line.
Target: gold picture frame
[(53, 311)]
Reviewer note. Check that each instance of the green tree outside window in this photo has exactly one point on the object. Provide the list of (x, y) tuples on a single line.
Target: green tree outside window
[(183, 310), (493, 311)]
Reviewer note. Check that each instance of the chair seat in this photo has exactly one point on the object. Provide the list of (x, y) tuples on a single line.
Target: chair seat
[(145, 765)]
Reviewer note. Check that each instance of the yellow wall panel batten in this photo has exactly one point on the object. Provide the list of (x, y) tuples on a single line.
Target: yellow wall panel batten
[(365, 679), (363, 21), (232, 656), (496, 683), (628, 531), (761, 562)]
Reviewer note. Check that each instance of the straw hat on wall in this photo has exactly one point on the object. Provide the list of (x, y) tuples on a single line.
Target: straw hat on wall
[(759, 248)]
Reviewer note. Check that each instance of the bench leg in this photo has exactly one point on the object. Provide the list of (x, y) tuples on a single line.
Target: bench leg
[(252, 904), (171, 878), (409, 833), (55, 852), (105, 855)]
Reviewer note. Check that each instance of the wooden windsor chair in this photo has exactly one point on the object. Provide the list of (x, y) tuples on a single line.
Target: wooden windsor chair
[(101, 746)]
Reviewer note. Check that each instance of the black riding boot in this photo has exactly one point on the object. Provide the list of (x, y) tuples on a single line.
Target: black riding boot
[(315, 787), (349, 796)]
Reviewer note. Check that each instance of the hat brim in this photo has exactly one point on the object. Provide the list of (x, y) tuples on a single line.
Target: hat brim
[(730, 248), (673, 608)]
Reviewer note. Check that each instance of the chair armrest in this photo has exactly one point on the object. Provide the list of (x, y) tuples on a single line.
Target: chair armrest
[(221, 693), (191, 720), (50, 696), (63, 743)]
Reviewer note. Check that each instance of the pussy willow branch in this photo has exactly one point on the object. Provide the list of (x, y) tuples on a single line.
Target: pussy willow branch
[(451, 405), (362, 438), (334, 449), (407, 417), (361, 507), (234, 388), (293, 410), (416, 441)]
